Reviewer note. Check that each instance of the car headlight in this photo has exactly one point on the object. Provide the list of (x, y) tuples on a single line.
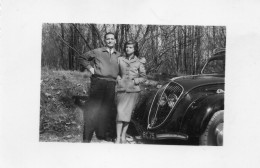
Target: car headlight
[(172, 98), (163, 100)]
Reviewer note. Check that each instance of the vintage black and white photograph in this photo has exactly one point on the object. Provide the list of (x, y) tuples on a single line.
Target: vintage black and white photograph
[(124, 84), (132, 84)]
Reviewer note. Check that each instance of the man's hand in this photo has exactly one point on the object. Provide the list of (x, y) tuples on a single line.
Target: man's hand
[(91, 70)]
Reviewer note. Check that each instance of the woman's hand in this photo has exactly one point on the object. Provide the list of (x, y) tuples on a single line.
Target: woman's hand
[(92, 70)]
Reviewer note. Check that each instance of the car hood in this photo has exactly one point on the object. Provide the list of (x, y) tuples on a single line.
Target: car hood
[(192, 81)]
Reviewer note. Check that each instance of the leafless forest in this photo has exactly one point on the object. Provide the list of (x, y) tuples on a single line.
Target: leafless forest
[(174, 50)]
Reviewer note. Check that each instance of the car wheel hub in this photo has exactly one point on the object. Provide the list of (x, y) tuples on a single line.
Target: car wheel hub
[(219, 134)]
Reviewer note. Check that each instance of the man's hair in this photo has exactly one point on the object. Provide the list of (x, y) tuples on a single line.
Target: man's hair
[(136, 52), (108, 34)]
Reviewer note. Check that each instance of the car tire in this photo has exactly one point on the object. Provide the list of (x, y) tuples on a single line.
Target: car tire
[(213, 135)]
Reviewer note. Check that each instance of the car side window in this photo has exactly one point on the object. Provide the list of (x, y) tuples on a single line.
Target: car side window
[(215, 67)]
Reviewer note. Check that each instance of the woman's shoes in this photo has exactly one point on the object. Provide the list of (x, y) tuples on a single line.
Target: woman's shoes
[(117, 141), (121, 141)]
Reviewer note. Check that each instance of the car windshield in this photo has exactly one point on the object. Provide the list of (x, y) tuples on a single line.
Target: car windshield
[(215, 66)]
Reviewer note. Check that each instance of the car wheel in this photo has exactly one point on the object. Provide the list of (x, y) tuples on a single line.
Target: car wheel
[(213, 135)]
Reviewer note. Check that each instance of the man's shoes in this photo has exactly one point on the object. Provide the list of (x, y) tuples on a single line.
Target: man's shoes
[(109, 139), (87, 136), (86, 141)]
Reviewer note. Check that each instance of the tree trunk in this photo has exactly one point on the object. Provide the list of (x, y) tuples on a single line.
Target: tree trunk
[(71, 52), (94, 36), (117, 38), (62, 45), (184, 50)]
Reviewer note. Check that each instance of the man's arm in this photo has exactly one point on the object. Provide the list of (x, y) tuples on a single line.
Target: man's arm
[(85, 60)]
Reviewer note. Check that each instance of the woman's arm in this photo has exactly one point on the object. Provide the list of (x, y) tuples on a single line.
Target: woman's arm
[(142, 73)]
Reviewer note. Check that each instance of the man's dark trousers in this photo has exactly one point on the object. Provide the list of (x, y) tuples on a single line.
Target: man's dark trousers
[(99, 114)]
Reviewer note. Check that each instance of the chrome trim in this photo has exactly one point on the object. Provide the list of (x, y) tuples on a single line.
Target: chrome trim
[(148, 126), (186, 76), (203, 68), (219, 91), (171, 136)]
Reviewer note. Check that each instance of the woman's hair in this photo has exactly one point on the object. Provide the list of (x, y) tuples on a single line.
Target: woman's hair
[(136, 52)]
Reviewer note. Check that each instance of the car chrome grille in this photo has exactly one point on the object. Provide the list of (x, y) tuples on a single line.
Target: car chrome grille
[(160, 109)]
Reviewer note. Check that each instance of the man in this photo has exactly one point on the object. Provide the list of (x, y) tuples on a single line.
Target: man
[(102, 63)]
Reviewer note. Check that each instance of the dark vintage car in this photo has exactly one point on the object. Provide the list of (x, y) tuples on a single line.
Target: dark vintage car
[(187, 108)]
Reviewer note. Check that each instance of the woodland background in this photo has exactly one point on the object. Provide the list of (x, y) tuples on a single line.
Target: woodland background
[(173, 50)]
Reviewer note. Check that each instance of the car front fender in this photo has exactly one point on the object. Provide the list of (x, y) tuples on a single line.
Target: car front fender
[(199, 112)]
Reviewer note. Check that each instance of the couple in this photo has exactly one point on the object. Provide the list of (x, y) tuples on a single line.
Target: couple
[(112, 72)]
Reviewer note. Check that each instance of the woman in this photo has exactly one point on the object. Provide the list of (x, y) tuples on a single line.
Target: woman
[(131, 74)]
